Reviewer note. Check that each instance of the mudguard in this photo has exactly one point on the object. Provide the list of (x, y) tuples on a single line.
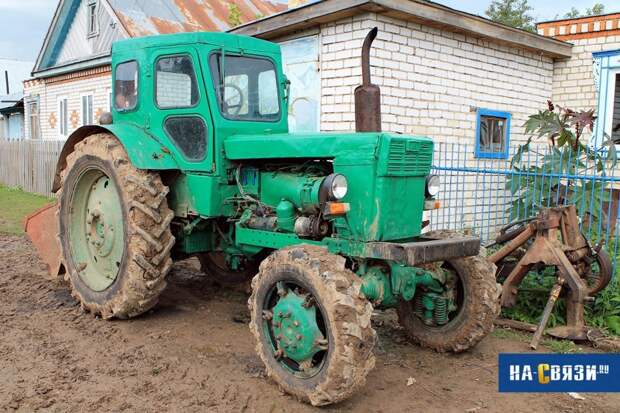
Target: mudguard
[(143, 149)]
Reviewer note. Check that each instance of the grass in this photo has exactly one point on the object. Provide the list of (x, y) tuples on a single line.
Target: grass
[(554, 345), (15, 204)]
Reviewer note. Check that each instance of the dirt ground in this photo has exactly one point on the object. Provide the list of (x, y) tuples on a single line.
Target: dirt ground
[(194, 352)]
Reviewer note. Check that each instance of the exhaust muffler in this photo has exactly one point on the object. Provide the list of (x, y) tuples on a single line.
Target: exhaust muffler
[(367, 95)]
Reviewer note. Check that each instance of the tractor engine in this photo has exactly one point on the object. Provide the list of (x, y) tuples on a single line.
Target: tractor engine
[(285, 200)]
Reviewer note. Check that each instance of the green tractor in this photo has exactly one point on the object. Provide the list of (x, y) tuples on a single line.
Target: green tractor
[(196, 160)]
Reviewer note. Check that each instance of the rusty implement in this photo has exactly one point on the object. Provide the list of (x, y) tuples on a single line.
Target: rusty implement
[(42, 229), (553, 238)]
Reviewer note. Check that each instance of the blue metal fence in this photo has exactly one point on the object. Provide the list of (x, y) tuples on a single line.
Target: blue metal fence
[(480, 196)]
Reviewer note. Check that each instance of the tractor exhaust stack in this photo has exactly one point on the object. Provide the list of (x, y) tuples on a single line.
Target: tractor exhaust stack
[(367, 96)]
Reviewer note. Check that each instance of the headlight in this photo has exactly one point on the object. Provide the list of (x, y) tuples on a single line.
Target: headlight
[(432, 185), (334, 188)]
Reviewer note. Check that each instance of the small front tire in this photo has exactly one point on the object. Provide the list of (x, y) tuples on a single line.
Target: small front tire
[(477, 306), (307, 284)]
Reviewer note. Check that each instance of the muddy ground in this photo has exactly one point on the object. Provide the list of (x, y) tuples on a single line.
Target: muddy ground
[(194, 352)]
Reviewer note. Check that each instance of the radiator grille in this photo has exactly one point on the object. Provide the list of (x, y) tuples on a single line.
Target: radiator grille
[(408, 157)]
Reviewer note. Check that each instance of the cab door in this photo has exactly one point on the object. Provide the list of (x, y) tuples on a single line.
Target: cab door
[(181, 115)]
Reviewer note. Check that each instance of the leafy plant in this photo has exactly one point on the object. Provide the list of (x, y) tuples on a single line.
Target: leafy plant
[(515, 13), (234, 15), (567, 172)]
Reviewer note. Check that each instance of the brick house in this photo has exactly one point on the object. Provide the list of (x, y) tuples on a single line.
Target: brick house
[(590, 77), (443, 73), (71, 79)]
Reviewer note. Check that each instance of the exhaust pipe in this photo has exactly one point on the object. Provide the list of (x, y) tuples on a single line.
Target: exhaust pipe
[(367, 96)]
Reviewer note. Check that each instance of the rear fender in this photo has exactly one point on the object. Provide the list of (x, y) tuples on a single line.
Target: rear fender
[(143, 149)]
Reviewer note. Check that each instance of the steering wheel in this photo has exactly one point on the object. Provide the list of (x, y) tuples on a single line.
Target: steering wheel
[(232, 109)]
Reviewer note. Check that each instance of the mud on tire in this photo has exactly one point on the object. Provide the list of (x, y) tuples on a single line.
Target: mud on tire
[(146, 224), (347, 318), (479, 309)]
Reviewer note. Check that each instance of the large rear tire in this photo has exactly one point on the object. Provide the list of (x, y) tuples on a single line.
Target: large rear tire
[(114, 229), (477, 306), (312, 324)]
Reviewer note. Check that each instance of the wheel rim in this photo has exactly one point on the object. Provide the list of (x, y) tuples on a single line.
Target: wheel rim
[(296, 330), (96, 236)]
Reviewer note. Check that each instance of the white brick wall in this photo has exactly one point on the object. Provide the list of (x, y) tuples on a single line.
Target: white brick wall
[(573, 79), (99, 86), (431, 80)]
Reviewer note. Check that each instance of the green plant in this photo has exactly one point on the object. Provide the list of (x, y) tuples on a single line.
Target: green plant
[(15, 204), (561, 346), (515, 13), (234, 15), (569, 173)]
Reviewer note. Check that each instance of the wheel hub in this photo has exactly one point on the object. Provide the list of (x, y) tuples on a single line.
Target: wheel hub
[(96, 227), (295, 327)]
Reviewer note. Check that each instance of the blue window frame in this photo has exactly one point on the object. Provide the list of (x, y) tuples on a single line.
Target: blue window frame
[(607, 82), (492, 134)]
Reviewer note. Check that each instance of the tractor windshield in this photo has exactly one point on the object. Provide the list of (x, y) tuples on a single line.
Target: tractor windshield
[(246, 87)]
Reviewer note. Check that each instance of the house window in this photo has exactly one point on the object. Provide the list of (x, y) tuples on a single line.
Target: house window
[(492, 134), (300, 59), (92, 18), (176, 82), (63, 118), (126, 86), (87, 109), (33, 118)]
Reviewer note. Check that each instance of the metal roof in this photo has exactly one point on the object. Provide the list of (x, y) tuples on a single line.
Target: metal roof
[(143, 18), (419, 11), (11, 103), (136, 18)]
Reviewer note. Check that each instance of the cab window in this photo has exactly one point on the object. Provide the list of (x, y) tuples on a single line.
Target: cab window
[(126, 86), (246, 87), (175, 82)]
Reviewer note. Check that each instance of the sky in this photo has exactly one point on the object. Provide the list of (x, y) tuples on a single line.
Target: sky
[(25, 22)]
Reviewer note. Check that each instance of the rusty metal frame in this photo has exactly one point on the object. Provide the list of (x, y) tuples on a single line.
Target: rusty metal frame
[(557, 242)]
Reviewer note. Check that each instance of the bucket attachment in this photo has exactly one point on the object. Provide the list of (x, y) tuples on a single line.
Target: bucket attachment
[(42, 229)]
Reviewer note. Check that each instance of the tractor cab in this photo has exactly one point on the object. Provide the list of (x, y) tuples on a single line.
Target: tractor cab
[(192, 90)]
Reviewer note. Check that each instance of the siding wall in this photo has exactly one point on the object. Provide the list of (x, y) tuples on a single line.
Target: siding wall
[(431, 80), (98, 84)]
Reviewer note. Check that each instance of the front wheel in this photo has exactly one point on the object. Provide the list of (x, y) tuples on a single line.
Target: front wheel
[(312, 324), (476, 299)]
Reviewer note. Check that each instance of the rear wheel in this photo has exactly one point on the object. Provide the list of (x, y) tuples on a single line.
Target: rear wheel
[(312, 324), (114, 229), (476, 299)]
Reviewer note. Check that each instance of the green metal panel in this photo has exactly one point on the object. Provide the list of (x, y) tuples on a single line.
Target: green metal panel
[(200, 194), (302, 145), (145, 150)]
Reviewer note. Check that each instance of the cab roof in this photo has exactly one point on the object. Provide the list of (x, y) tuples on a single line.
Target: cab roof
[(226, 40)]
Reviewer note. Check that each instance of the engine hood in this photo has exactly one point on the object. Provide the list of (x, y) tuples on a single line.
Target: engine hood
[(308, 145)]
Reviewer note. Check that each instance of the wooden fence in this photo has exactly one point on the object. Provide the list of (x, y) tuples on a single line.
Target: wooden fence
[(29, 164)]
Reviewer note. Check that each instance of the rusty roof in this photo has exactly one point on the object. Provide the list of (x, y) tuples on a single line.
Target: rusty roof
[(150, 17)]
